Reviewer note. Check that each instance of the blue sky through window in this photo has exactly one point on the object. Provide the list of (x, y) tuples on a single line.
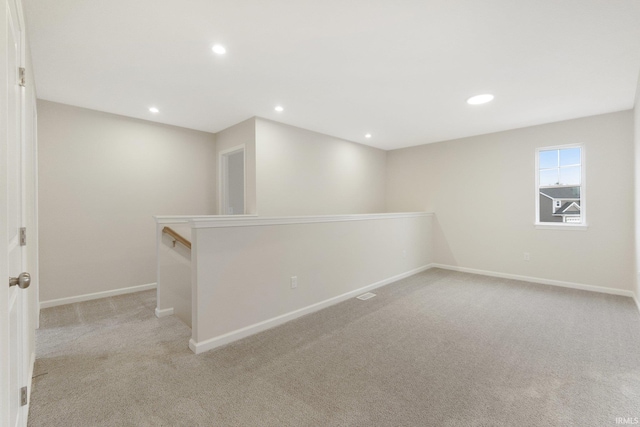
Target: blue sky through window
[(560, 167), (569, 156), (549, 159), (570, 175)]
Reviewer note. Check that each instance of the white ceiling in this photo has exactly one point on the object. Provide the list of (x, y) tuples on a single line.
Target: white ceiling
[(400, 69)]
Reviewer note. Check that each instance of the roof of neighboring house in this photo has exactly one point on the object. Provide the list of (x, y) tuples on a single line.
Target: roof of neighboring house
[(565, 208), (561, 192)]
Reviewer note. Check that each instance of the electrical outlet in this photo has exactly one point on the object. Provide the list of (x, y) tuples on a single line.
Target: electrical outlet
[(527, 256), (294, 282)]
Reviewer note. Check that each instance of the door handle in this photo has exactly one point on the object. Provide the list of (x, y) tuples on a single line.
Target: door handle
[(23, 280)]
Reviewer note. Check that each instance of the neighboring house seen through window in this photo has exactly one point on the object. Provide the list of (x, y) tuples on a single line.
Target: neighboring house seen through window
[(560, 185)]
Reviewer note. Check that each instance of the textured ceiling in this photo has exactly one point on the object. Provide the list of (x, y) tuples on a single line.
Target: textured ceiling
[(401, 70)]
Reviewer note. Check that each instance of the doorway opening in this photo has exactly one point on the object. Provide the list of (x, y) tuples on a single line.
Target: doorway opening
[(232, 181)]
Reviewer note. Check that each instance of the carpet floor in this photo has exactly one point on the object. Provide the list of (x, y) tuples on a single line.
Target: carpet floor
[(440, 348)]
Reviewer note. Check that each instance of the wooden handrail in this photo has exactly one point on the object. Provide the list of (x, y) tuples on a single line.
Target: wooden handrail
[(176, 237)]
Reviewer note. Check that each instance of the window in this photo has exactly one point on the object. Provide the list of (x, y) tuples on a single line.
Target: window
[(560, 186)]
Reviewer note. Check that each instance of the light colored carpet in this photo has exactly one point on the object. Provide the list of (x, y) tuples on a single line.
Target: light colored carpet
[(439, 348)]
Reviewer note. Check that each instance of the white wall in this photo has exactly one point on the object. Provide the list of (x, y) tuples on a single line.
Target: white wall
[(636, 127), (102, 177), (482, 190), (243, 267), (300, 172), (243, 133)]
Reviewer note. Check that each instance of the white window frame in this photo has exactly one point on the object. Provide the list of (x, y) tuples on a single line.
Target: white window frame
[(583, 192)]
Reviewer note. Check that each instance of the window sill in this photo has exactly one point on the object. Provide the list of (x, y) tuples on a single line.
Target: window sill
[(561, 226)]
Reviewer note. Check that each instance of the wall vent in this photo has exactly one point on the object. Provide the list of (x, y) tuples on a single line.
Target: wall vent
[(366, 296)]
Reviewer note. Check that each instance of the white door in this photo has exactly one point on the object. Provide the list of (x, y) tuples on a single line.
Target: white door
[(12, 254)]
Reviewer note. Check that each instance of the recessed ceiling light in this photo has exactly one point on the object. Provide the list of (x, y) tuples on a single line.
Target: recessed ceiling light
[(279, 108), (368, 135), (480, 99), (219, 49), (154, 110)]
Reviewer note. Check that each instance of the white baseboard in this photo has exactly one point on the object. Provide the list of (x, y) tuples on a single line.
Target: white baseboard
[(96, 295), (211, 343), (164, 312), (635, 298), (560, 283)]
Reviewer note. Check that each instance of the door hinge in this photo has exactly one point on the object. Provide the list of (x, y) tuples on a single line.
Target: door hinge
[(23, 396), (22, 76), (23, 236)]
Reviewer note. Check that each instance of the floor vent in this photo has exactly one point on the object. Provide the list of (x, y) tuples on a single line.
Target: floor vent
[(366, 296)]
